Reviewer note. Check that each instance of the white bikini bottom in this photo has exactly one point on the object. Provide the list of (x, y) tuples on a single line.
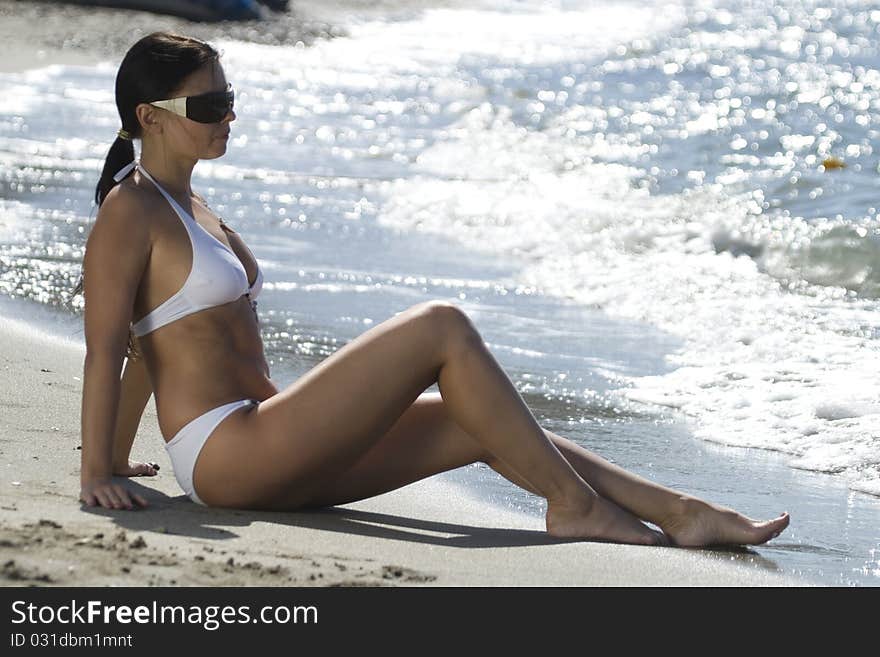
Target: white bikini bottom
[(186, 445)]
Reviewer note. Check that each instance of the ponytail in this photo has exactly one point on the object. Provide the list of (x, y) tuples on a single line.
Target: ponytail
[(121, 153)]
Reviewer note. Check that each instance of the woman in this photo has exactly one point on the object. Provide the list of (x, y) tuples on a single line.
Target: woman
[(160, 264)]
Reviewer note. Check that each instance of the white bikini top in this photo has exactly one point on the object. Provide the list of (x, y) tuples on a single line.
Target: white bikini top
[(216, 277)]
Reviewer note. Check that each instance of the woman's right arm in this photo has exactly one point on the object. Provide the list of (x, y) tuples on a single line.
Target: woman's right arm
[(116, 256)]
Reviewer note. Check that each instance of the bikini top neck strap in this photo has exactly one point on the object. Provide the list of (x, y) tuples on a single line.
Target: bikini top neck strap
[(146, 174), (124, 171), (168, 196), (135, 164)]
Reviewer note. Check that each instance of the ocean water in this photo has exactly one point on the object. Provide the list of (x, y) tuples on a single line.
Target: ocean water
[(661, 216)]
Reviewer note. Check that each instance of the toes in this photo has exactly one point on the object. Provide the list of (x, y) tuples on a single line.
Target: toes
[(781, 522), (772, 528)]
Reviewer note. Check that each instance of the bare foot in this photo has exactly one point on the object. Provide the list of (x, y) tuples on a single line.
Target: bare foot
[(699, 524), (600, 519)]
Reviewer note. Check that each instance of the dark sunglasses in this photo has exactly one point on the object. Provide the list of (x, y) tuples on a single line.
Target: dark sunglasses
[(211, 107)]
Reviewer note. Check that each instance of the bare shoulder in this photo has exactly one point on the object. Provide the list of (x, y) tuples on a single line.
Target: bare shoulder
[(125, 219), (129, 204), (122, 231)]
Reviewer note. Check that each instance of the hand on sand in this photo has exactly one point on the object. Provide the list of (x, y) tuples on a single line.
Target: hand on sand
[(136, 469), (109, 494)]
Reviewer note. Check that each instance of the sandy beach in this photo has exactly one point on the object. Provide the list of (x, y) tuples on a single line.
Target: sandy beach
[(431, 533)]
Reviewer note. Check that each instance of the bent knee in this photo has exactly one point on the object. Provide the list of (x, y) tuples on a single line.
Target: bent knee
[(446, 325), (448, 317)]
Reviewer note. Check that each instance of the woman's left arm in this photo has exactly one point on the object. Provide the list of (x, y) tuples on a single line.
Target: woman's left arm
[(134, 394)]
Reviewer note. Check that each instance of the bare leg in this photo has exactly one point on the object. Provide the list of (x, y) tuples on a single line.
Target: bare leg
[(686, 520), (426, 440), (485, 404), (316, 429)]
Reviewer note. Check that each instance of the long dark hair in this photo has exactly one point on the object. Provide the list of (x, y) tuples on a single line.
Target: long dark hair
[(152, 69)]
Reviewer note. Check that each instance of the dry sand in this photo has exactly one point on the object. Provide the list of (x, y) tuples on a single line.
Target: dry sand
[(430, 533)]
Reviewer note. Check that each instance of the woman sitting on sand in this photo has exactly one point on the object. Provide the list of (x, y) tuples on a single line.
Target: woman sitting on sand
[(161, 265)]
